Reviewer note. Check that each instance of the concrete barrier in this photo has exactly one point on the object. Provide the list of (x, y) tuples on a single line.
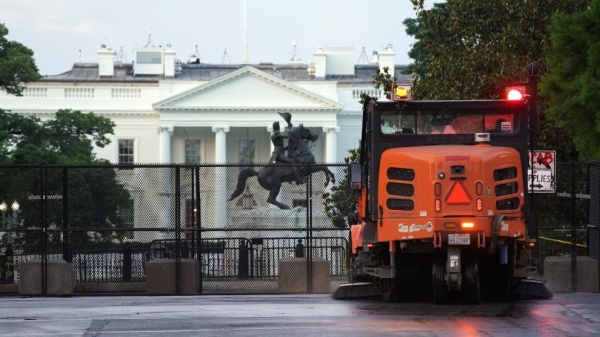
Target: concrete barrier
[(60, 278), (292, 275), (160, 277), (557, 271)]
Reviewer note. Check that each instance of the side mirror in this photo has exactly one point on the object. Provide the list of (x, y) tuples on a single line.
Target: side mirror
[(355, 176)]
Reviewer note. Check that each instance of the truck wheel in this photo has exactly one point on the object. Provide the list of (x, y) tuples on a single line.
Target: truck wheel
[(471, 284), (440, 291)]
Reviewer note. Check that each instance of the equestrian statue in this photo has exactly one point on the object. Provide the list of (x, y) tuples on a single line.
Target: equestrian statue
[(287, 163)]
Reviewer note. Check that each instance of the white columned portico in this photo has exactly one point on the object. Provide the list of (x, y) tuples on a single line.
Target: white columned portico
[(164, 145), (331, 143), (220, 177)]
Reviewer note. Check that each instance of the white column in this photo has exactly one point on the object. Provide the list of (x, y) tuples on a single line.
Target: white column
[(331, 143), (220, 178), (220, 143), (166, 215), (164, 144)]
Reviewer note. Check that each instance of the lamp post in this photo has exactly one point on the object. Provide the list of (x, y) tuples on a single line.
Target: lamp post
[(10, 221)]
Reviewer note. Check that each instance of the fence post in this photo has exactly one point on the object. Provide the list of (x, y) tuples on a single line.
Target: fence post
[(9, 266), (299, 250), (127, 262), (594, 213), (243, 260)]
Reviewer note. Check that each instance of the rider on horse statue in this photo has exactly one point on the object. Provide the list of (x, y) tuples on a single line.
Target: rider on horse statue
[(279, 155)]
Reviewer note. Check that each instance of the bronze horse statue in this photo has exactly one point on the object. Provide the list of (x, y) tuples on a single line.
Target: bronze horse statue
[(271, 176)]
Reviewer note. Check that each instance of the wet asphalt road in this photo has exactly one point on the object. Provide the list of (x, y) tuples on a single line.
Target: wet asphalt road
[(294, 315)]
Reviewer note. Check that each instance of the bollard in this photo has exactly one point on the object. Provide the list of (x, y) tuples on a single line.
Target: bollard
[(299, 250), (127, 263), (243, 260)]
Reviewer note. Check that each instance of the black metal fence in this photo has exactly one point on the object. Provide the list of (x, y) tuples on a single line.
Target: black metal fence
[(568, 229), (172, 229), (168, 229)]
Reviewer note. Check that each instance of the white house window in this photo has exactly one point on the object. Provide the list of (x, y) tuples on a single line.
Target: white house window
[(126, 151), (246, 151), (192, 151)]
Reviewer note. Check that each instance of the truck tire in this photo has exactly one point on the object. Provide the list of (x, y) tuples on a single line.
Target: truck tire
[(440, 291), (471, 282)]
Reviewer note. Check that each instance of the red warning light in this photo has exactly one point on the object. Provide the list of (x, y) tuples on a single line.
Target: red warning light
[(458, 194), (515, 93)]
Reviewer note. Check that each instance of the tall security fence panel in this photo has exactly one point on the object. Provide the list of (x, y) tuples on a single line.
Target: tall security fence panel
[(568, 229), (227, 229), (170, 229)]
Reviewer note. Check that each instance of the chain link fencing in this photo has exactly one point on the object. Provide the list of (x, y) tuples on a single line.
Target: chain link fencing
[(183, 229), (568, 229), (169, 229)]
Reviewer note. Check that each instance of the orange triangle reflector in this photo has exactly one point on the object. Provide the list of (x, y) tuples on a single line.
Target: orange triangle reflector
[(458, 194)]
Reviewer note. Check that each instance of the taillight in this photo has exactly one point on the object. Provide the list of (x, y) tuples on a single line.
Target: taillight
[(479, 205), (438, 205), (467, 225)]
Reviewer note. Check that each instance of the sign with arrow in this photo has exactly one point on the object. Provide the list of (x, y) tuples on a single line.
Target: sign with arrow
[(541, 171)]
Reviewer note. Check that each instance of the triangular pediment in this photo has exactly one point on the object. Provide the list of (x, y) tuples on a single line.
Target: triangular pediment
[(248, 88)]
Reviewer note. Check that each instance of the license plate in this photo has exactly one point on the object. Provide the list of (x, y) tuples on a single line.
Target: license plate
[(459, 239)]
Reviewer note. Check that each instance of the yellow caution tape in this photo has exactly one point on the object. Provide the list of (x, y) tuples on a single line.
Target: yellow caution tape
[(563, 242)]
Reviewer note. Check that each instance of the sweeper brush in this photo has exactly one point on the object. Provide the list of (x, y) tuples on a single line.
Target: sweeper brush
[(358, 290), (531, 289)]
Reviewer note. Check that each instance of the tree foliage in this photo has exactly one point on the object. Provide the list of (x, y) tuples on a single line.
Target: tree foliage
[(382, 80), (471, 49), (573, 80), (95, 196), (341, 200), (66, 139), (17, 64)]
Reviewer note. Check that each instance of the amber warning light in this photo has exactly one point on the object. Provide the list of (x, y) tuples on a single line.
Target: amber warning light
[(401, 93)]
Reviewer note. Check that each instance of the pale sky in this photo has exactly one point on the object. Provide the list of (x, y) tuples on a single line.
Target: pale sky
[(57, 30)]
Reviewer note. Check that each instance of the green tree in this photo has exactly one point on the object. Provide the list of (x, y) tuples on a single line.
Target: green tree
[(572, 83), (17, 64), (95, 196), (470, 49), (341, 200)]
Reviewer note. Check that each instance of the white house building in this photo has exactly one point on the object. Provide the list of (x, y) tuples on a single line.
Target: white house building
[(167, 111)]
